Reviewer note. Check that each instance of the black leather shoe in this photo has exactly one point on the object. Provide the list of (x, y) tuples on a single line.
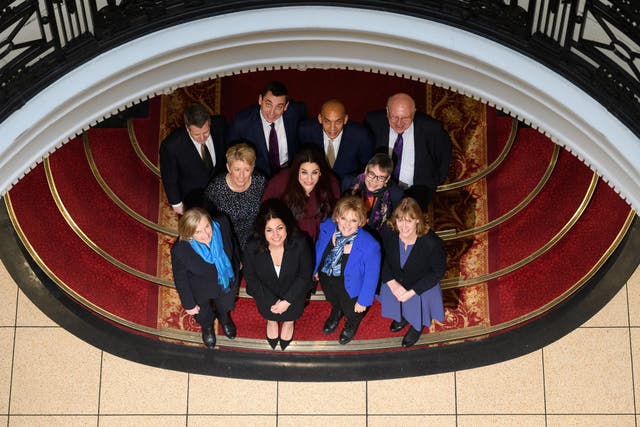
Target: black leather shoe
[(229, 329), (397, 326), (273, 342), (411, 337), (208, 338), (332, 321), (346, 335)]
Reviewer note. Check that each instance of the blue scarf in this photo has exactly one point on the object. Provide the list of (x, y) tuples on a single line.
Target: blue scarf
[(215, 254), (333, 263)]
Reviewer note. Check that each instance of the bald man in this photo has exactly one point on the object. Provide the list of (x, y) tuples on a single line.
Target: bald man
[(419, 145), (347, 145)]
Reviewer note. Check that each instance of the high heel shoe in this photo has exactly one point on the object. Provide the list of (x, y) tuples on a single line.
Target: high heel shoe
[(285, 343), (273, 342)]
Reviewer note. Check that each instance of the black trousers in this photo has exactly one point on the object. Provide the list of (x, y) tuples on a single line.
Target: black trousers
[(422, 194), (223, 306), (336, 294)]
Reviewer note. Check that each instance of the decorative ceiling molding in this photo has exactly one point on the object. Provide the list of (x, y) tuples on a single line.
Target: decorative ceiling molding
[(321, 37)]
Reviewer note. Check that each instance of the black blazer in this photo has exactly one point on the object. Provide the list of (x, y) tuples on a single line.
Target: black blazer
[(247, 125), (184, 175), (196, 279), (425, 266), (356, 146), (295, 273), (432, 146)]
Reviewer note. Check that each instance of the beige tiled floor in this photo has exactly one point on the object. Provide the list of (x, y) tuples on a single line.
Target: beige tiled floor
[(48, 377)]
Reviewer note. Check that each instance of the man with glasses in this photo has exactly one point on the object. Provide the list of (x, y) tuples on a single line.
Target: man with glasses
[(190, 156), (418, 144), (379, 193)]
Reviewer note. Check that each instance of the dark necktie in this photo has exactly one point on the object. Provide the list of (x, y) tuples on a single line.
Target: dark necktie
[(274, 152), (397, 154), (206, 156)]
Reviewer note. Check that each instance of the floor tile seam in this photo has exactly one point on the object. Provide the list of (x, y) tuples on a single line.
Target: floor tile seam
[(13, 353), (277, 402), (319, 415), (100, 381), (611, 327), (366, 403), (186, 417), (38, 327), (221, 414), (591, 413), (523, 414), (633, 381), (455, 395), (544, 386)]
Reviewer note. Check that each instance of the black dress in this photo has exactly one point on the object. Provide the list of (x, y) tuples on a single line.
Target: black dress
[(241, 208), (293, 283)]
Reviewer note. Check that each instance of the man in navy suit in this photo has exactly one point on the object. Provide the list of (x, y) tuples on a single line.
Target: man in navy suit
[(419, 145), (271, 126), (190, 156), (347, 145)]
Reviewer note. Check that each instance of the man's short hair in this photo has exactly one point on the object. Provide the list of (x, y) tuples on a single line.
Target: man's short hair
[(276, 88), (196, 115), (383, 161)]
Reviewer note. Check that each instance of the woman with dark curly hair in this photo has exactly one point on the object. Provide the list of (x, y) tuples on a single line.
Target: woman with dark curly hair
[(308, 188), (277, 269)]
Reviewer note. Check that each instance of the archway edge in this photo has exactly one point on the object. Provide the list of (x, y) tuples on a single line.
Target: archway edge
[(321, 37)]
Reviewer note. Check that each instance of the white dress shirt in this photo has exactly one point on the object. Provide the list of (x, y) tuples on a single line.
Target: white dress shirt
[(407, 165)]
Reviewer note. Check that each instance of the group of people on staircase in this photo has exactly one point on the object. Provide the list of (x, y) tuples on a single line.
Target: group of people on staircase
[(287, 202)]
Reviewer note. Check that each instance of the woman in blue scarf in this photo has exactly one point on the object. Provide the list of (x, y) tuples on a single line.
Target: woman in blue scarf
[(347, 265), (205, 268)]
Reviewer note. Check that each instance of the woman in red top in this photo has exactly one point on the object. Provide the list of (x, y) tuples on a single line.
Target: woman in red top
[(308, 188)]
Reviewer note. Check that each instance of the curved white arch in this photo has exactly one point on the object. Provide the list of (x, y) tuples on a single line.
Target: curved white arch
[(321, 37)]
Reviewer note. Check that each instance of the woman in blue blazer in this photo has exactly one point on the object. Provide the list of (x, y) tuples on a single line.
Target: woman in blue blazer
[(347, 265)]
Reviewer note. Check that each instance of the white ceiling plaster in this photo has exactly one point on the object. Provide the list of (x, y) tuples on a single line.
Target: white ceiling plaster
[(321, 37)]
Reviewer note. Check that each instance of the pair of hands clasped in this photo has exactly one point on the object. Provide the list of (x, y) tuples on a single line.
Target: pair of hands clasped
[(280, 306), (399, 291)]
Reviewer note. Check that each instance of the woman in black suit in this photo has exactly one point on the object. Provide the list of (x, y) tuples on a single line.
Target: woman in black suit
[(205, 264), (277, 265), (414, 262)]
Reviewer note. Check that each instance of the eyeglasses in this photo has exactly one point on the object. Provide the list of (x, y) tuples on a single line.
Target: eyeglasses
[(400, 119), (379, 178)]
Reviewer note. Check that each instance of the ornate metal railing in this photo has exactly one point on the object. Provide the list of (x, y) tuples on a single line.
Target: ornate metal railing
[(594, 44)]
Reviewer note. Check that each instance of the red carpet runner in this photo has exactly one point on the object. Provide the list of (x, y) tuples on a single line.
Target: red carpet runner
[(478, 134)]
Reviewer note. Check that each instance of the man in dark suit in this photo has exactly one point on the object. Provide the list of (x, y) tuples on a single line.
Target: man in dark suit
[(190, 156), (271, 126), (418, 144), (347, 145)]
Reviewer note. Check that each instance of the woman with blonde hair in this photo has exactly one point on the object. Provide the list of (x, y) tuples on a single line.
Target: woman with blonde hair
[(347, 265), (237, 192), (205, 263), (414, 262)]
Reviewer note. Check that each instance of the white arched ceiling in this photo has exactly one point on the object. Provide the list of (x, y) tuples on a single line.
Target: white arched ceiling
[(321, 37)]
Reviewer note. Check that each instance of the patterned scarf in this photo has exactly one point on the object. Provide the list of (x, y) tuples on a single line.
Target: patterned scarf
[(333, 263), (215, 254), (380, 209)]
